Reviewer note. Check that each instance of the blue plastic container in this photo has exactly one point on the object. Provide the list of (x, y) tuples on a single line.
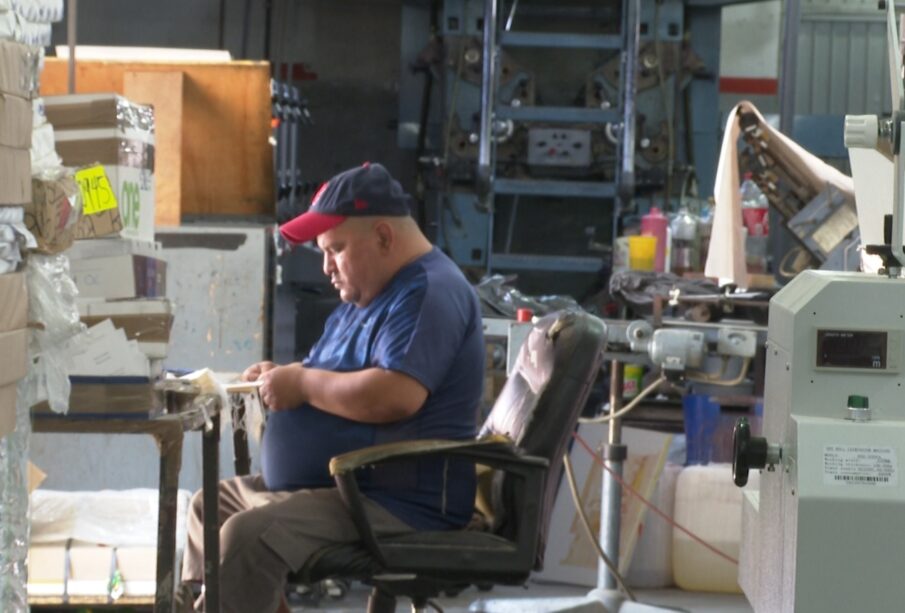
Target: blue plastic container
[(702, 416)]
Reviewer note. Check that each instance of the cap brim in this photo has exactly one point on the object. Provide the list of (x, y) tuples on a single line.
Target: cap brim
[(308, 226)]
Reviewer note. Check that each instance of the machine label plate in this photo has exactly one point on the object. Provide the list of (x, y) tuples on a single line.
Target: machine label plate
[(860, 465)]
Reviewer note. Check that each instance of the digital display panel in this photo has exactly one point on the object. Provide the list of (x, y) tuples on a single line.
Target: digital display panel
[(852, 349)]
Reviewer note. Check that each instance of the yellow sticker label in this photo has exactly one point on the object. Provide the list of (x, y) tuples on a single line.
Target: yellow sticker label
[(97, 194)]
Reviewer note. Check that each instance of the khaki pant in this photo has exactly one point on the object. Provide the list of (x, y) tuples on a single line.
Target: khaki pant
[(266, 535)]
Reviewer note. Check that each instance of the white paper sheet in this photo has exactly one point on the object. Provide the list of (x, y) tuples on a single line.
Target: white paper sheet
[(726, 257)]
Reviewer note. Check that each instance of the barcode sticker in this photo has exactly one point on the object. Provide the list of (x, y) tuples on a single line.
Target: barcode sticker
[(860, 465)]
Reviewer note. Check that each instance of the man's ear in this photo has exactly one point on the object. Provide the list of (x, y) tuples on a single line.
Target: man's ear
[(385, 235)]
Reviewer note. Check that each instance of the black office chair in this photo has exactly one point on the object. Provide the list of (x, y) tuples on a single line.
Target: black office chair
[(522, 440)]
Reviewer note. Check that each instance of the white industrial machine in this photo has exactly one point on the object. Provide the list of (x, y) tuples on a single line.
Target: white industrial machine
[(826, 531)]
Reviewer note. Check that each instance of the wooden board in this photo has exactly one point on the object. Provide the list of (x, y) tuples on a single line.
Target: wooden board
[(227, 160), (163, 91)]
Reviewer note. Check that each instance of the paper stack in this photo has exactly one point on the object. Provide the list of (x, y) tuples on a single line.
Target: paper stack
[(104, 351), (123, 282)]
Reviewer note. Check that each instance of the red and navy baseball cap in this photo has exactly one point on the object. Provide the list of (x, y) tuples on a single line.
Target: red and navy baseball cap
[(368, 190)]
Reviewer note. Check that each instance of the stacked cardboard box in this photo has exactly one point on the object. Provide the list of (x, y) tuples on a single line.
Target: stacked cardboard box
[(122, 289), (18, 83), (14, 341), (110, 130)]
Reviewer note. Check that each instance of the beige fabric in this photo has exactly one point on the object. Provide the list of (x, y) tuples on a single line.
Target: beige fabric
[(266, 535)]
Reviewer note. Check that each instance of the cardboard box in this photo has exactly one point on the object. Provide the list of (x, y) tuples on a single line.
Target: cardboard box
[(13, 366), (105, 396), (8, 398), (14, 355), (110, 130), (13, 302), (15, 168), (13, 345), (134, 189), (89, 570), (124, 276), (147, 321), (19, 71), (15, 122), (49, 216), (105, 223), (107, 247), (83, 111)]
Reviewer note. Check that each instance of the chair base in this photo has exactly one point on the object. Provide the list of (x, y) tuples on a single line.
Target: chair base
[(381, 602), (597, 601)]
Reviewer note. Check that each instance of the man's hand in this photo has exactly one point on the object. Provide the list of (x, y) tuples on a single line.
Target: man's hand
[(254, 372), (282, 387)]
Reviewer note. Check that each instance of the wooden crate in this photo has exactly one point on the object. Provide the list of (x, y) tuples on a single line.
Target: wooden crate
[(219, 132)]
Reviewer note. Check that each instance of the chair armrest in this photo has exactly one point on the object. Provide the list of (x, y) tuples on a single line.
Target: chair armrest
[(494, 447), (494, 450)]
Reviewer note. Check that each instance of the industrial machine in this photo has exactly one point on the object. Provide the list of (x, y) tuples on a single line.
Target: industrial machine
[(552, 121), (826, 531)]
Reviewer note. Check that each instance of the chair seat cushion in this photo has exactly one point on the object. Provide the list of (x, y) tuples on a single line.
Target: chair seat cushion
[(354, 561)]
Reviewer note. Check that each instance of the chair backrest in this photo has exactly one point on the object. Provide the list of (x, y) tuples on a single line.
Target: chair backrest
[(540, 404)]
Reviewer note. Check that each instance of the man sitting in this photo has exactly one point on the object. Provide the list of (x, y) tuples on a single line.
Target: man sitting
[(402, 358)]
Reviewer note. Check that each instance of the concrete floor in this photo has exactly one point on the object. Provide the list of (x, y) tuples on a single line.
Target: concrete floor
[(542, 597)]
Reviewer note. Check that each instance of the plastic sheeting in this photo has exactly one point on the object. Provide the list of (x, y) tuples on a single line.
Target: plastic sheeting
[(52, 294), (14, 508), (113, 518), (52, 305), (497, 294)]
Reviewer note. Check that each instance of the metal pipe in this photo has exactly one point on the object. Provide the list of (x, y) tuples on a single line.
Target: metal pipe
[(611, 491), (893, 43), (511, 17), (268, 28), (73, 11), (246, 19), (210, 459), (221, 25), (789, 67), (629, 79), (488, 85)]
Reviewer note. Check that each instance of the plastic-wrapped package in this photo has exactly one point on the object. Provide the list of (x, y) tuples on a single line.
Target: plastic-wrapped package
[(496, 293), (20, 68), (43, 150), (15, 27), (14, 508), (38, 11), (52, 304)]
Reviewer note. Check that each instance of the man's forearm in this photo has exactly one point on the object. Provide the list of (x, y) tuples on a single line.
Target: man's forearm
[(373, 395)]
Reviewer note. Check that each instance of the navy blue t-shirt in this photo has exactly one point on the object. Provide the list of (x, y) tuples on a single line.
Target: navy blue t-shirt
[(427, 324)]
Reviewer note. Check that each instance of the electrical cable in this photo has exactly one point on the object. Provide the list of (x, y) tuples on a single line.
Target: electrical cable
[(650, 505), (589, 532), (629, 407)]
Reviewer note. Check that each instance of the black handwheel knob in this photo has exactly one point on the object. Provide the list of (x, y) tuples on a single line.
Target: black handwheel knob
[(747, 452)]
